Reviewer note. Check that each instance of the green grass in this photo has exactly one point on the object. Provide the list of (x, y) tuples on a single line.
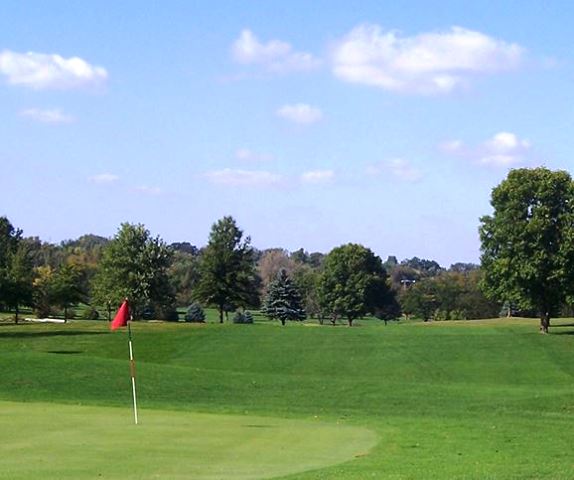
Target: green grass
[(470, 400)]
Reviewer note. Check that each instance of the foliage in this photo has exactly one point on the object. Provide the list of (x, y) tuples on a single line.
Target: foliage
[(195, 313), (64, 289), (353, 283), (15, 268), (426, 268), (449, 296), (16, 279), (528, 241), (243, 317), (273, 261), (283, 301), (227, 270), (184, 275), (91, 314), (134, 265)]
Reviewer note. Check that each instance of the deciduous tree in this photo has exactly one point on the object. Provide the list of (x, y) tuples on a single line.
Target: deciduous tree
[(135, 265), (353, 282), (528, 241)]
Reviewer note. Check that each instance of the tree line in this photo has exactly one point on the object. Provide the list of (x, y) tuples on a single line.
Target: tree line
[(527, 265)]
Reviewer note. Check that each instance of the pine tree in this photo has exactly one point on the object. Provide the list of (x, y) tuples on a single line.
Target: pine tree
[(283, 301)]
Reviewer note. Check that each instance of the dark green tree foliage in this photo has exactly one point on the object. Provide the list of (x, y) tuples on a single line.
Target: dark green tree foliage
[(16, 284), (66, 288), (353, 283), (283, 301), (15, 268), (135, 265), (425, 268), (421, 300), (195, 314), (528, 241), (227, 269)]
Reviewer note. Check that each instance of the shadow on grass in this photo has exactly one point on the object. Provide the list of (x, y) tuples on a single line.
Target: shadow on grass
[(57, 333), (562, 325), (65, 352), (569, 332)]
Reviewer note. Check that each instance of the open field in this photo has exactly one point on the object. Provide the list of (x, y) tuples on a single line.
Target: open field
[(474, 400)]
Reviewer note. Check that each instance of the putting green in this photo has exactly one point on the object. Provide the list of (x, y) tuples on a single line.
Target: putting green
[(53, 441)]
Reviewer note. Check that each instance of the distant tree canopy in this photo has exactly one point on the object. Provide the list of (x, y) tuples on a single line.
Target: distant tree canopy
[(227, 269), (135, 265), (353, 283), (528, 241)]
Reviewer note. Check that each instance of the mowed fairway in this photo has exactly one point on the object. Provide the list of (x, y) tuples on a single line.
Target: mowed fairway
[(473, 400)]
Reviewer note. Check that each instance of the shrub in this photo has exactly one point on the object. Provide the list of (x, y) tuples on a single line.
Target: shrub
[(195, 314), (167, 313), (91, 314), (243, 317)]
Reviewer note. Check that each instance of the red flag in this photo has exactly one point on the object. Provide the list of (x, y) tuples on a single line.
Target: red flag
[(122, 316)]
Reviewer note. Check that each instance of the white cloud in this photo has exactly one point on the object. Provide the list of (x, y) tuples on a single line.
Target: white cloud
[(53, 116), (41, 71), (274, 56), (146, 190), (248, 155), (398, 167), (434, 62), (318, 176), (300, 113), (503, 149), (243, 178), (104, 178)]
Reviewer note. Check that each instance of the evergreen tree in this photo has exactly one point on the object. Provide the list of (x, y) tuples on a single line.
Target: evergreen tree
[(195, 314), (283, 301)]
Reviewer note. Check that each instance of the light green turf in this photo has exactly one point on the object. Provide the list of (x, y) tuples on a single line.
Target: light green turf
[(51, 441)]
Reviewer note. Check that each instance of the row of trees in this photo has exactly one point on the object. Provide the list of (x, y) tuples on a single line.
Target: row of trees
[(229, 274), (527, 265)]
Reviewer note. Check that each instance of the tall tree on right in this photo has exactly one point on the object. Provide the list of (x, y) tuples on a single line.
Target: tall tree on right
[(283, 301), (227, 269), (353, 283), (528, 241)]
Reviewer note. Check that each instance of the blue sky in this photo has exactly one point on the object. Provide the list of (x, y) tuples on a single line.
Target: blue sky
[(313, 123)]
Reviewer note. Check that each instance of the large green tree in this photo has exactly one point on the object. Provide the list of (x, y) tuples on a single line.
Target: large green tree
[(66, 287), (17, 278), (283, 301), (15, 268), (528, 241), (353, 283), (134, 265), (227, 269)]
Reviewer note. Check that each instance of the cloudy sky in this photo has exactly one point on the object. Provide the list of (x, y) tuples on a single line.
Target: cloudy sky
[(313, 123)]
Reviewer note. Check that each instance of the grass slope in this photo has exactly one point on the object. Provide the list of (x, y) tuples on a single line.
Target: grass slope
[(473, 400)]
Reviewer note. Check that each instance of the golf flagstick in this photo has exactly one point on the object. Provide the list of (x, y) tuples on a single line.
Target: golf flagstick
[(133, 373), (122, 318)]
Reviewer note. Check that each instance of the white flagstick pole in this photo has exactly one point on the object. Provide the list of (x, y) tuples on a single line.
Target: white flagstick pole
[(133, 374)]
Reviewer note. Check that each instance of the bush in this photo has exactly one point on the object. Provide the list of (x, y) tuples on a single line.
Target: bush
[(168, 313), (91, 314), (243, 317), (195, 314)]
